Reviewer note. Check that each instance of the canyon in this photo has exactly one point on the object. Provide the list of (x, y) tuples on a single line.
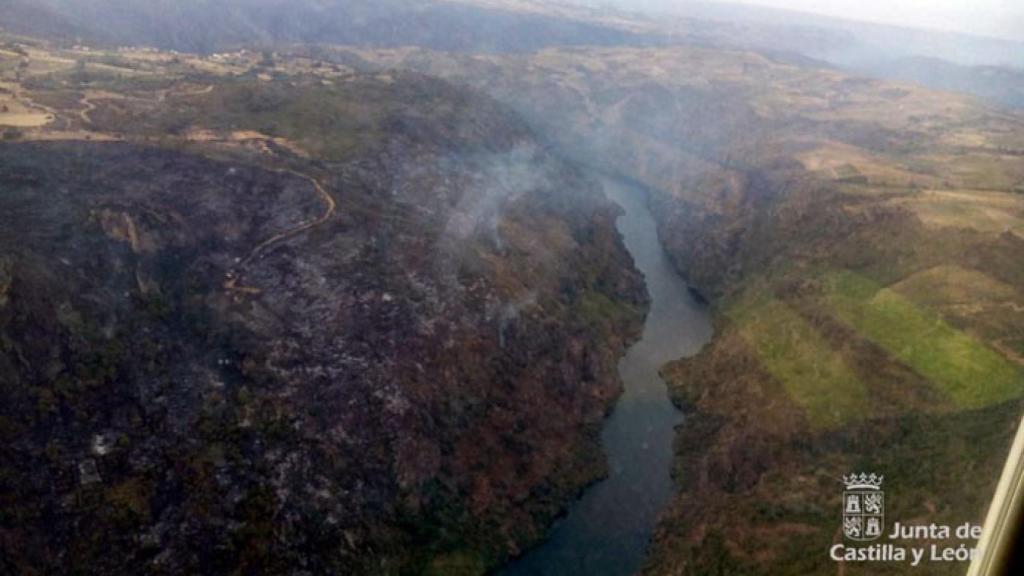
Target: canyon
[(353, 302)]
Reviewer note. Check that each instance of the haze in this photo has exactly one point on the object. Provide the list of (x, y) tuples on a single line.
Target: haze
[(996, 18)]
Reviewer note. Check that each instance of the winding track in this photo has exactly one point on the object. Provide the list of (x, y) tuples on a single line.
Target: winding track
[(89, 107), (330, 207)]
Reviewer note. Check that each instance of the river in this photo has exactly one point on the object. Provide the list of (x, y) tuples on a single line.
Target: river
[(607, 530)]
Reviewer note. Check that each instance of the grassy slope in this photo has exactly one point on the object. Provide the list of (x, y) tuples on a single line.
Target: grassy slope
[(791, 350), (970, 373)]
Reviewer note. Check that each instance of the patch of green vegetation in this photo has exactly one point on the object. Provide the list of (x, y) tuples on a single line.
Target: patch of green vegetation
[(131, 498), (971, 374), (791, 350), (1016, 344), (850, 174), (107, 80), (333, 122), (461, 563), (974, 444), (113, 60), (598, 311), (713, 557)]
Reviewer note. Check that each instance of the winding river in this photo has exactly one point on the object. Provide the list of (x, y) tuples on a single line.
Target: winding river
[(606, 532)]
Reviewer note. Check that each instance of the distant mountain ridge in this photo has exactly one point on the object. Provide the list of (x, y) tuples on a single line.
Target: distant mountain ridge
[(206, 26), (990, 68), (998, 84)]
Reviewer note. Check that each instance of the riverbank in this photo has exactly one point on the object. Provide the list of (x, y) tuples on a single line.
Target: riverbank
[(851, 336), (607, 531)]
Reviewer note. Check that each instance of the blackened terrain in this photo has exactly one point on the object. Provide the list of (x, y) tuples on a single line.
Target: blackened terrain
[(416, 384)]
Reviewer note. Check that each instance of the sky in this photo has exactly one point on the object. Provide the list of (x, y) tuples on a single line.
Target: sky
[(996, 18)]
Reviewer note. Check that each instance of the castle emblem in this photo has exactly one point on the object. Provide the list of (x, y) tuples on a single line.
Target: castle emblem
[(863, 507)]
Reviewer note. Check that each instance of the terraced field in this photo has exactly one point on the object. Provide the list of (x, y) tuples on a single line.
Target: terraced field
[(964, 369), (814, 375)]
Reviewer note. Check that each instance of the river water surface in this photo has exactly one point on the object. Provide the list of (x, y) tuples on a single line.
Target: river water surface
[(606, 532)]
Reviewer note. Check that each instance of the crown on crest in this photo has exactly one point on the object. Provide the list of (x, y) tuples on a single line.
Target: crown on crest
[(861, 481)]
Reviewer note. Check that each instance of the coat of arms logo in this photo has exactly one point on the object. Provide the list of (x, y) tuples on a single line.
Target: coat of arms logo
[(863, 507)]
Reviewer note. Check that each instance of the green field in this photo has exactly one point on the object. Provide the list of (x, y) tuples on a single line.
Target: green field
[(790, 349), (970, 373)]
